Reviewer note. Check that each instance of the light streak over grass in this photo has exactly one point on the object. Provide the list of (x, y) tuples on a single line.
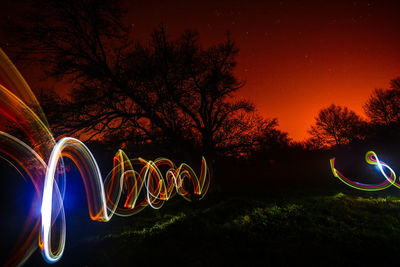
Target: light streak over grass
[(372, 159), (131, 185)]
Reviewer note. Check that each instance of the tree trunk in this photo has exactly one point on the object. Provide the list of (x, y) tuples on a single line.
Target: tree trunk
[(209, 154)]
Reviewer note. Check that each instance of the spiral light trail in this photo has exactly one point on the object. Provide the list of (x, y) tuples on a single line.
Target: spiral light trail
[(372, 159), (131, 185)]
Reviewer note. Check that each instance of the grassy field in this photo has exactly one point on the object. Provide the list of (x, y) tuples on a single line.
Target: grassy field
[(331, 229)]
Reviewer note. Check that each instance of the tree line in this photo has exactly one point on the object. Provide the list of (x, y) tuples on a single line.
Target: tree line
[(339, 126), (167, 95), (170, 96)]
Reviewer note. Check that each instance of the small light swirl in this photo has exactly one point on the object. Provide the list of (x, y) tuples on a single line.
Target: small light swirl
[(372, 159)]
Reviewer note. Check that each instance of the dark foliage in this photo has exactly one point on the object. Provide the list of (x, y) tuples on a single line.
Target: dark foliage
[(336, 125), (175, 97)]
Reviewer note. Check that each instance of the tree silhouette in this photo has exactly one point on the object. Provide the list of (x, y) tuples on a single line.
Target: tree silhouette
[(250, 135), (163, 92), (336, 125), (196, 84), (383, 106)]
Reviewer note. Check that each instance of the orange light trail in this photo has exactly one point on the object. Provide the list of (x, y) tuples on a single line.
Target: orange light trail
[(131, 185)]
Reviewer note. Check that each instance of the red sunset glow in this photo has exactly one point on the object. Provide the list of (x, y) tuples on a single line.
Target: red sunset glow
[(295, 56)]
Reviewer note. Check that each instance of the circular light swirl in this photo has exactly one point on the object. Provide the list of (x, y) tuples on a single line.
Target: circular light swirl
[(372, 159), (139, 182), (103, 199)]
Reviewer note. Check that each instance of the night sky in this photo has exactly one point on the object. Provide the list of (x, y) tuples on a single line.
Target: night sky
[(295, 56)]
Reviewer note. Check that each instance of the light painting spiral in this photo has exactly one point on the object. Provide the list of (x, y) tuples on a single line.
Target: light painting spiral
[(131, 185), (372, 159)]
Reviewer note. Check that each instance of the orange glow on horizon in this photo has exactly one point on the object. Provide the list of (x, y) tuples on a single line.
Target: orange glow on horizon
[(296, 57)]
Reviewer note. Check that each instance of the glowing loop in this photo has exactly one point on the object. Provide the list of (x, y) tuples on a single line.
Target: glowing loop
[(101, 207), (142, 187), (372, 159)]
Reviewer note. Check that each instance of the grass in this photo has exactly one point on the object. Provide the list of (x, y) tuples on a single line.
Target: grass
[(336, 229)]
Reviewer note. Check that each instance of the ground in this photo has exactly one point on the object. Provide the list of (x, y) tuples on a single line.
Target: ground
[(339, 228)]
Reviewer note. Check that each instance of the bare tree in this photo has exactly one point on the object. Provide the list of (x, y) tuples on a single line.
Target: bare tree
[(336, 125), (383, 106), (248, 133), (162, 91)]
